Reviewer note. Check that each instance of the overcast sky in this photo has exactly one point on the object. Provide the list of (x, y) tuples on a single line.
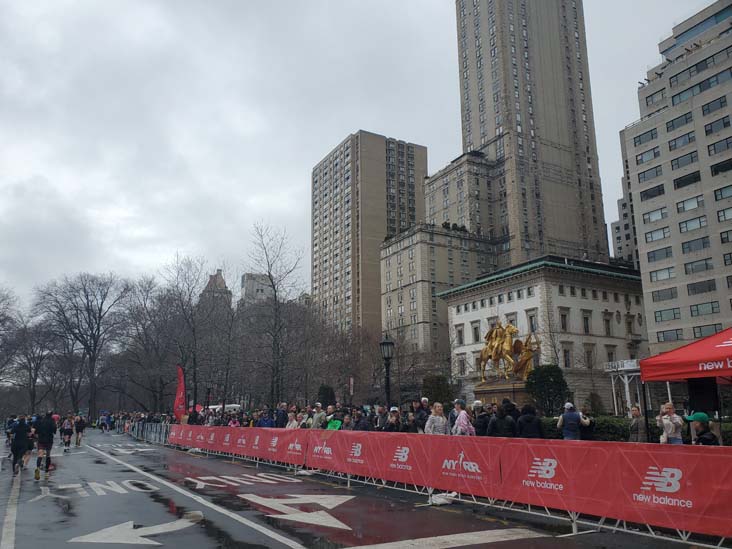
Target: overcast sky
[(130, 131)]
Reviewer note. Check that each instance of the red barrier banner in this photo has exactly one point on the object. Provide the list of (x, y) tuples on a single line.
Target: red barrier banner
[(570, 475), (679, 487), (684, 487)]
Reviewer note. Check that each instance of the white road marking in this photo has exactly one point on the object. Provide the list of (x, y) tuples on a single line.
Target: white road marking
[(127, 533), (7, 541), (203, 501), (459, 540), (319, 518)]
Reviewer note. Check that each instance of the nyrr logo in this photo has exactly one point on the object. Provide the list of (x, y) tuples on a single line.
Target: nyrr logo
[(543, 468), (354, 456), (400, 459), (666, 480), (461, 465), (273, 444), (323, 450), (294, 447)]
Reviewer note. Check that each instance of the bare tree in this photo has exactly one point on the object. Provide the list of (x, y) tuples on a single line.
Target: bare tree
[(85, 307), (273, 256), (185, 279), (33, 352), (8, 315)]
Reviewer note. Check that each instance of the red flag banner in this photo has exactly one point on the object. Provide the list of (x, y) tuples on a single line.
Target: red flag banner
[(179, 407)]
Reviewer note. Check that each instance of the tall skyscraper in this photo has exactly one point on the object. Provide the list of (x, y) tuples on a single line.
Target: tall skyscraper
[(678, 181), (367, 189), (525, 96)]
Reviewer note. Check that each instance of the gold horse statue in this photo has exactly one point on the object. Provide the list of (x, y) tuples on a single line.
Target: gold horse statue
[(493, 339), (526, 353), (499, 345)]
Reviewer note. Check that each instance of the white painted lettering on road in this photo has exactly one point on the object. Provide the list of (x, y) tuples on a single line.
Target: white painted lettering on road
[(100, 488), (317, 518), (203, 501), (126, 533), (222, 481), (140, 486)]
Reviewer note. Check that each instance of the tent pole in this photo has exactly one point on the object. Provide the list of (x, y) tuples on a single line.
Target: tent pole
[(668, 390), (645, 411)]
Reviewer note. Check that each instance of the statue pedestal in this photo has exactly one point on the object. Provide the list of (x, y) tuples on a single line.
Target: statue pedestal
[(496, 390)]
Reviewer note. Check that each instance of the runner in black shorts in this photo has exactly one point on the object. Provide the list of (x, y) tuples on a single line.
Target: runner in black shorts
[(45, 430), (79, 425), (67, 430)]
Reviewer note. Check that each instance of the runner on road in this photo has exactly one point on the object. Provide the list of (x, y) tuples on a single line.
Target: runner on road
[(45, 430), (79, 426), (67, 430), (20, 432)]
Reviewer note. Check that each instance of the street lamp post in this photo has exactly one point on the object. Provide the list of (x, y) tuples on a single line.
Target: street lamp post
[(387, 353)]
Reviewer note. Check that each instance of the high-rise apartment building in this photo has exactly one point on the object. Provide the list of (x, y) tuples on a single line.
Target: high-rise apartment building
[(255, 287), (525, 93), (678, 181), (415, 266), (367, 189), (623, 233)]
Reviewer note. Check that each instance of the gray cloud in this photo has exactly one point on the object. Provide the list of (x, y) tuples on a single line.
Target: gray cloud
[(134, 130)]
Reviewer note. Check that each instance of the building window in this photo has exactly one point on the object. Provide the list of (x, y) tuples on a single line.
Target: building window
[(476, 332), (567, 358), (561, 289), (716, 126), (563, 321), (647, 156), (461, 365), (670, 335), (700, 309), (664, 315), (679, 121), (608, 325), (658, 255), (459, 335), (695, 245), (707, 330), (724, 192), (690, 204), (719, 146), (586, 322), (686, 180), (645, 137), (655, 215), (658, 234), (648, 175), (724, 215), (693, 224), (703, 287), (681, 141), (721, 167), (532, 323), (725, 237), (662, 274), (698, 266), (715, 105), (684, 160)]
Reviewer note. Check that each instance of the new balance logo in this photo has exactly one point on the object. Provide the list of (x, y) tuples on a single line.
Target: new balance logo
[(665, 481), (212, 437), (356, 450), (662, 480), (543, 468), (227, 439), (400, 459), (401, 454)]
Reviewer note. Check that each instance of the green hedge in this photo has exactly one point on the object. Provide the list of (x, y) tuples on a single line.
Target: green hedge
[(611, 428)]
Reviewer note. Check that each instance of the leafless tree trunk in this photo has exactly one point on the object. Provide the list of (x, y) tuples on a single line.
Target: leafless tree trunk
[(33, 344), (85, 307), (8, 315)]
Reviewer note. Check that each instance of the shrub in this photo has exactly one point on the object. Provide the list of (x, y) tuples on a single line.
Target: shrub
[(548, 388)]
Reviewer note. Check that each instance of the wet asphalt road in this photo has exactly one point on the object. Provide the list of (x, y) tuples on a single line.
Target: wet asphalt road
[(114, 492)]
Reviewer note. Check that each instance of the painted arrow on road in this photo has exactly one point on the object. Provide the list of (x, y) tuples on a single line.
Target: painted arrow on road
[(127, 533), (318, 518)]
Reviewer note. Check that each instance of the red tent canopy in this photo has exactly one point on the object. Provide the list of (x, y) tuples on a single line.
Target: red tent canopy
[(708, 357)]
